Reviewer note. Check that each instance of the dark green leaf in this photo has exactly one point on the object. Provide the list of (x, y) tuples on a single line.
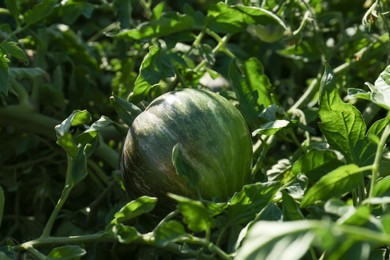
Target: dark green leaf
[(67, 252), (337, 182), (168, 232), (244, 205), (381, 187), (291, 210), (134, 209), (196, 215), (78, 117), (235, 18), (11, 48), (12, 6), (252, 87), (4, 74), (127, 111), (125, 234), (28, 73), (39, 11), (359, 93), (271, 128), (278, 240), (71, 10), (77, 166), (166, 25), (125, 9), (156, 65), (316, 163), (341, 123)]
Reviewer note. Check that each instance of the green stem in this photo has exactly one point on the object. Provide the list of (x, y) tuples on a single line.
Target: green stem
[(45, 241), (378, 156), (49, 225), (207, 244)]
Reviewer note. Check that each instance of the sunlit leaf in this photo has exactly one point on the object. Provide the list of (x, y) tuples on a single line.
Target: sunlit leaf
[(67, 252), (335, 183), (278, 240), (11, 48), (168, 232), (125, 234), (134, 209), (165, 25), (196, 215)]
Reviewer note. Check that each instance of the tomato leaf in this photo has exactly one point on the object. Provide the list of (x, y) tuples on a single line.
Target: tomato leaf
[(11, 48), (127, 111), (168, 24), (225, 18), (339, 181), (196, 215), (278, 240), (134, 209), (342, 124), (252, 87), (316, 163), (168, 232), (125, 234), (67, 252), (244, 205), (39, 11), (77, 166), (4, 70)]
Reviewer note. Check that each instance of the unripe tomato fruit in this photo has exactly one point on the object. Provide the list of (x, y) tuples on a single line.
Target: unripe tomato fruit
[(213, 138)]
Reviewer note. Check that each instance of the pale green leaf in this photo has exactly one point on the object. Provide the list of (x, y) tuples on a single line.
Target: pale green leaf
[(67, 252)]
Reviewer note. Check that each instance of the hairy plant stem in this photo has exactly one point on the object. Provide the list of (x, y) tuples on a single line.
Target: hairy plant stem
[(378, 156)]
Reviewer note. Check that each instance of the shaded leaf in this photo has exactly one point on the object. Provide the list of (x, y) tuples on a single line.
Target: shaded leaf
[(12, 6), (339, 181), (127, 111), (244, 205), (4, 68), (134, 209), (39, 11), (77, 166), (291, 210), (272, 127), (26, 72), (11, 48), (67, 252), (252, 87), (316, 163)]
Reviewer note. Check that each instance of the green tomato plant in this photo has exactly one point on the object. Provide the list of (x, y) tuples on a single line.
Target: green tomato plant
[(302, 126)]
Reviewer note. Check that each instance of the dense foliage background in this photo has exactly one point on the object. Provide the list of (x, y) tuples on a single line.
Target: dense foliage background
[(72, 72)]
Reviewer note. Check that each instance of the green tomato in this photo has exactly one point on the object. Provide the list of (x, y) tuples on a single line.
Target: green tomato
[(214, 142)]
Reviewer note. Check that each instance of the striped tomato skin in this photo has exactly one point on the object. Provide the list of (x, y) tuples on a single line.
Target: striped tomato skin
[(212, 135)]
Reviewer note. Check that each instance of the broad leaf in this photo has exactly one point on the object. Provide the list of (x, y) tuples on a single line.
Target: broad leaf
[(244, 205), (127, 111), (125, 234), (337, 182), (278, 240), (168, 232), (235, 18), (67, 252), (11, 48), (196, 215), (165, 25), (342, 123), (252, 87), (291, 210), (316, 163), (39, 11), (134, 209)]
